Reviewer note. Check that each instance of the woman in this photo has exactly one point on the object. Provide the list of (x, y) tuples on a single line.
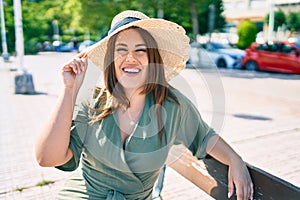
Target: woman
[(120, 139)]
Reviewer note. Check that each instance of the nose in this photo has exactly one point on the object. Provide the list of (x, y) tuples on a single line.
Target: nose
[(130, 57)]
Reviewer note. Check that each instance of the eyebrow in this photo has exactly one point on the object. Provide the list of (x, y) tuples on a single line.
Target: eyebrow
[(125, 45)]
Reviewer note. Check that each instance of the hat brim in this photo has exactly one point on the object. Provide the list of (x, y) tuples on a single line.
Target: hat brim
[(173, 44)]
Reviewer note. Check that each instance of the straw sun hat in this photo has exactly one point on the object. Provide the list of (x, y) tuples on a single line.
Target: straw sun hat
[(173, 44)]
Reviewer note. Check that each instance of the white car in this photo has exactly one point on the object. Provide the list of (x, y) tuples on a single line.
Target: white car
[(225, 56), (222, 55), (85, 44), (198, 57)]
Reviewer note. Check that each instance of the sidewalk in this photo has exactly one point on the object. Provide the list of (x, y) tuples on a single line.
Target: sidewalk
[(271, 145), (21, 119)]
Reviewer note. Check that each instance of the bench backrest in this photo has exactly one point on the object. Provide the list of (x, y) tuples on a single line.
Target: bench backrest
[(211, 176)]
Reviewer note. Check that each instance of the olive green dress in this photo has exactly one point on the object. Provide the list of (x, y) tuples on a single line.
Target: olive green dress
[(106, 169)]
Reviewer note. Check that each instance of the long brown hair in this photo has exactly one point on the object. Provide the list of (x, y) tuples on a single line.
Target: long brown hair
[(113, 96)]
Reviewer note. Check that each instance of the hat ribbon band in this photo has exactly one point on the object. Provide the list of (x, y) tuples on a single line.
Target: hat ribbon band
[(123, 22)]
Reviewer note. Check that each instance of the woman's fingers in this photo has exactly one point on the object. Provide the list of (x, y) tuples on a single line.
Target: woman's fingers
[(82, 54), (241, 192), (251, 190), (74, 70), (244, 190), (76, 65), (239, 177), (230, 185)]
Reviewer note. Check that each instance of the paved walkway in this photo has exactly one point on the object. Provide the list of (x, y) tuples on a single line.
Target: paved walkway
[(22, 117)]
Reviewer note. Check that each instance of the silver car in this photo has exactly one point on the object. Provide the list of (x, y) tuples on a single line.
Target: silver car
[(221, 55)]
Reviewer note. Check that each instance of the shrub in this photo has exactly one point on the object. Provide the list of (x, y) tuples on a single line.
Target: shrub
[(31, 46), (247, 34)]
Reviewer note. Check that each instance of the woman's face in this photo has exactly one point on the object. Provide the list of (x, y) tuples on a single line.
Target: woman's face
[(131, 59)]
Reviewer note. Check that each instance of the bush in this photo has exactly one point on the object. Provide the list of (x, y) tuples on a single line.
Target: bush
[(31, 46), (66, 38), (247, 34)]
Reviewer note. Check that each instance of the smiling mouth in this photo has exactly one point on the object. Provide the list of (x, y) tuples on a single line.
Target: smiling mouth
[(131, 70)]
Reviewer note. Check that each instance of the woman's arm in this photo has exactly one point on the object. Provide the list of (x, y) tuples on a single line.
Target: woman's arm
[(238, 174), (52, 146)]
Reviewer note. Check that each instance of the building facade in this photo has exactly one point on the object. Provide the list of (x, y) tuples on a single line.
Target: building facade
[(235, 11), (256, 10)]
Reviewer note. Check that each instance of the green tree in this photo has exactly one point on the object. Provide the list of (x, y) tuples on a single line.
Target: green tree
[(293, 21), (102, 11), (279, 19), (76, 17), (247, 34), (37, 18), (35, 26)]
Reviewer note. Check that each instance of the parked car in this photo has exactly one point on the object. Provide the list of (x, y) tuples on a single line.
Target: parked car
[(198, 57), (85, 44), (62, 47), (224, 55), (273, 56)]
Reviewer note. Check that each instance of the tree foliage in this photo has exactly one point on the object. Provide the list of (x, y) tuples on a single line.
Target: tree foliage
[(77, 17), (247, 34), (279, 19), (178, 12), (293, 21)]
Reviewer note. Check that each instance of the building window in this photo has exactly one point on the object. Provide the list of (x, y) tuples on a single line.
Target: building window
[(258, 4)]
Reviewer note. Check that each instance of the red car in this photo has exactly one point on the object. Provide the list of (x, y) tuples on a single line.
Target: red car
[(281, 57)]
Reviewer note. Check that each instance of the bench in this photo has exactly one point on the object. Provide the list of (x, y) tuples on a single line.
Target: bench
[(211, 176)]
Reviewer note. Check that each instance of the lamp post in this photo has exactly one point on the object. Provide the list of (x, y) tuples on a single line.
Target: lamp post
[(56, 38), (5, 54), (23, 79), (19, 33), (211, 19), (271, 21)]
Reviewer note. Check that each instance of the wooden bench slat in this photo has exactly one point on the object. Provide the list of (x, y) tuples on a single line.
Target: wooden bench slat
[(211, 176)]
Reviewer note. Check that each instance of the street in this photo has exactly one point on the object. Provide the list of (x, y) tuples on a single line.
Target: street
[(261, 117), (257, 113)]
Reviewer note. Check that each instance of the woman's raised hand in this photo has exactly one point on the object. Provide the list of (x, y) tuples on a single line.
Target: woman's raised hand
[(73, 72)]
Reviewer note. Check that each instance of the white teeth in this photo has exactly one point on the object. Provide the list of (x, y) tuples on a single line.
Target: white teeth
[(131, 70)]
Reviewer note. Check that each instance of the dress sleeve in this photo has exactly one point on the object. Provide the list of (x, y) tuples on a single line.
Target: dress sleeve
[(77, 137), (194, 133)]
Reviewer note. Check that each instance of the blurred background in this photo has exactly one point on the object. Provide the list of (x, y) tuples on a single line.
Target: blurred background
[(231, 26), (246, 41)]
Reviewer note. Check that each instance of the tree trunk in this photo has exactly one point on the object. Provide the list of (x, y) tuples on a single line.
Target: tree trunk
[(194, 19)]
